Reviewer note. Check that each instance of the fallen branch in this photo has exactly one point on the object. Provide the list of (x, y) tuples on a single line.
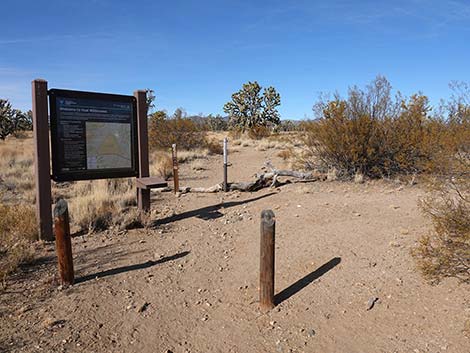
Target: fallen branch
[(263, 180)]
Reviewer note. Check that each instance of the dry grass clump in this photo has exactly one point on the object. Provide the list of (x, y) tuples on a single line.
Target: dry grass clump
[(18, 230), (188, 156), (16, 166), (285, 154), (100, 204), (266, 145), (161, 164)]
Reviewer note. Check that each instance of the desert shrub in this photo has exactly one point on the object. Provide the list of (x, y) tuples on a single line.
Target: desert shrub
[(165, 131), (259, 132), (18, 230), (445, 252), (235, 134), (214, 146), (372, 133)]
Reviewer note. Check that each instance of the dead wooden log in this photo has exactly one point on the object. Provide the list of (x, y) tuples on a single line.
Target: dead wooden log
[(268, 179)]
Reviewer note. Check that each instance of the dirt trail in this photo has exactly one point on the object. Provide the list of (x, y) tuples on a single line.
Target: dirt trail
[(189, 284)]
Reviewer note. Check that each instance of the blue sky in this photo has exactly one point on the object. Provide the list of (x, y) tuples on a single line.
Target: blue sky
[(195, 54)]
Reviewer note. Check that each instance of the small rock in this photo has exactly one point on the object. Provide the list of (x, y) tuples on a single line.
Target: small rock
[(143, 307), (311, 333)]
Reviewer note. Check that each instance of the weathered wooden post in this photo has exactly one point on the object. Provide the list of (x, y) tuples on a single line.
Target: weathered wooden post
[(175, 168), (63, 242), (266, 276), (42, 160), (225, 165), (143, 195)]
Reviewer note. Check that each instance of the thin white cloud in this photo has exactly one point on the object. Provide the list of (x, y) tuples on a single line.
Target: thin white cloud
[(6, 41)]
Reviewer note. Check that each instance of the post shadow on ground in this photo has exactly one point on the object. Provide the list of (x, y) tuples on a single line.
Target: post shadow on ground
[(208, 212), (305, 281), (115, 271)]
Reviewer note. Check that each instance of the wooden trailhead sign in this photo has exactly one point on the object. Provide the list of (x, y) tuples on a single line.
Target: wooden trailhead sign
[(93, 135)]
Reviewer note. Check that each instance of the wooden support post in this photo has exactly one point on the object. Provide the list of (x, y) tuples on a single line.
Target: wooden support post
[(225, 165), (63, 242), (143, 195), (266, 276), (175, 168), (42, 160)]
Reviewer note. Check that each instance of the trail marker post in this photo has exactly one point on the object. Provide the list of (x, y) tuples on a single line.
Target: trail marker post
[(266, 276), (175, 168), (225, 164), (63, 243)]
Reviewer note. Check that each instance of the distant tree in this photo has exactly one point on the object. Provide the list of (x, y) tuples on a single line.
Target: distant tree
[(216, 123), (150, 100), (22, 121), (249, 108), (7, 114)]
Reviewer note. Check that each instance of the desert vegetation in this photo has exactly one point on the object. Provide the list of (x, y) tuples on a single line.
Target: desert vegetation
[(374, 141), (372, 133)]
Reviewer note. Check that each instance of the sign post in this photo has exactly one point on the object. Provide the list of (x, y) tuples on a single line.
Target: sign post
[(175, 168), (225, 164), (42, 160), (143, 195)]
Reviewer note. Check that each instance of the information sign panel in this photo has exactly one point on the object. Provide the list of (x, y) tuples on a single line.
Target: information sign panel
[(93, 135)]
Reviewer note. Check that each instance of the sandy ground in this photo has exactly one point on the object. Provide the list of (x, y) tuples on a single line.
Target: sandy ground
[(189, 283)]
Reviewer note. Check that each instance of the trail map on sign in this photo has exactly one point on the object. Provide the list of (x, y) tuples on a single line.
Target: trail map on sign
[(93, 135), (108, 145)]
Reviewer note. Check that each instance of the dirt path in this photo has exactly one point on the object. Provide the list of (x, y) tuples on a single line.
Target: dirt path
[(189, 284)]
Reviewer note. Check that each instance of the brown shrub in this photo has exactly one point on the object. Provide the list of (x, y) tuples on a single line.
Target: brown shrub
[(164, 131), (445, 252), (373, 134), (18, 230), (214, 146), (259, 132)]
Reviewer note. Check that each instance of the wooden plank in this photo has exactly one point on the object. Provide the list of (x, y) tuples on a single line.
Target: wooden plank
[(151, 183)]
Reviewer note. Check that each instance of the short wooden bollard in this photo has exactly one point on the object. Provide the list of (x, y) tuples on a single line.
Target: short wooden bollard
[(225, 165), (63, 243), (266, 275), (175, 168)]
